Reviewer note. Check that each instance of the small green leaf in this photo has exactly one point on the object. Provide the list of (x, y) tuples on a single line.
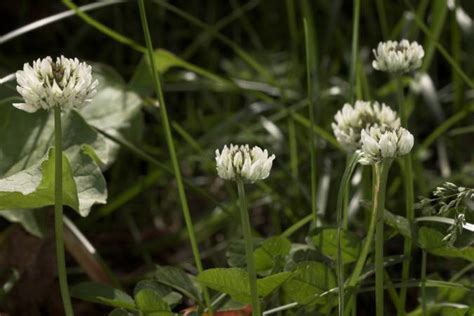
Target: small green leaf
[(397, 222), (120, 312), (165, 60), (166, 293), (178, 280), (103, 294), (309, 279), (432, 241), (150, 303), (326, 241), (271, 248), (236, 252), (235, 282), (429, 238), (232, 281), (267, 285)]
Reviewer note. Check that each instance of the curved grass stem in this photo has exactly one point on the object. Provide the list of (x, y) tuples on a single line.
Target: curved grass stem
[(58, 213), (172, 150), (343, 191), (248, 248)]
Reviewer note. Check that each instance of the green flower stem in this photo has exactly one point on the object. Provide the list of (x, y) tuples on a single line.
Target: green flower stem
[(343, 191), (248, 248), (58, 212), (407, 173), (171, 149), (379, 182), (378, 200), (423, 283)]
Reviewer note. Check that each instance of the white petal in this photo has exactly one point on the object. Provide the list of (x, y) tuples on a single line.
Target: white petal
[(25, 107)]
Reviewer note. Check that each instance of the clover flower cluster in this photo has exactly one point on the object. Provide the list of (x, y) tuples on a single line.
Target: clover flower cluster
[(66, 83), (393, 56), (373, 130), (379, 143), (351, 120), (241, 162)]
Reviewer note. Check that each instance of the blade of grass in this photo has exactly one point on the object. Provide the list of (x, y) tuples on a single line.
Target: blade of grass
[(54, 18), (312, 148), (341, 203), (201, 38), (382, 18), (224, 39), (455, 118), (146, 157), (248, 27), (317, 130), (103, 28), (172, 151), (296, 226), (438, 14)]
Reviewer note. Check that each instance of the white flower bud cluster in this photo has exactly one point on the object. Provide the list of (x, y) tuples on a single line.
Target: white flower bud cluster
[(379, 144), (393, 56), (351, 120), (66, 83), (250, 165)]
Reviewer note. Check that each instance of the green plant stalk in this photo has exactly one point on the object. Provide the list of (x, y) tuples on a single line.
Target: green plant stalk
[(345, 198), (248, 248), (407, 173), (354, 279), (423, 283), (58, 213), (312, 149), (172, 150), (343, 188), (378, 206), (355, 45)]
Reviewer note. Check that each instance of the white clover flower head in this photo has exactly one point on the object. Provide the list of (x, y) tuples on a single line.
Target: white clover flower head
[(242, 162), (383, 143), (351, 120), (393, 56), (66, 83)]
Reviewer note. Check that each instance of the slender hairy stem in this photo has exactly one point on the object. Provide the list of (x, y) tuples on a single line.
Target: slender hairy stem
[(171, 149), (248, 248), (423, 283), (378, 204), (312, 149), (407, 174), (350, 166), (58, 212)]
